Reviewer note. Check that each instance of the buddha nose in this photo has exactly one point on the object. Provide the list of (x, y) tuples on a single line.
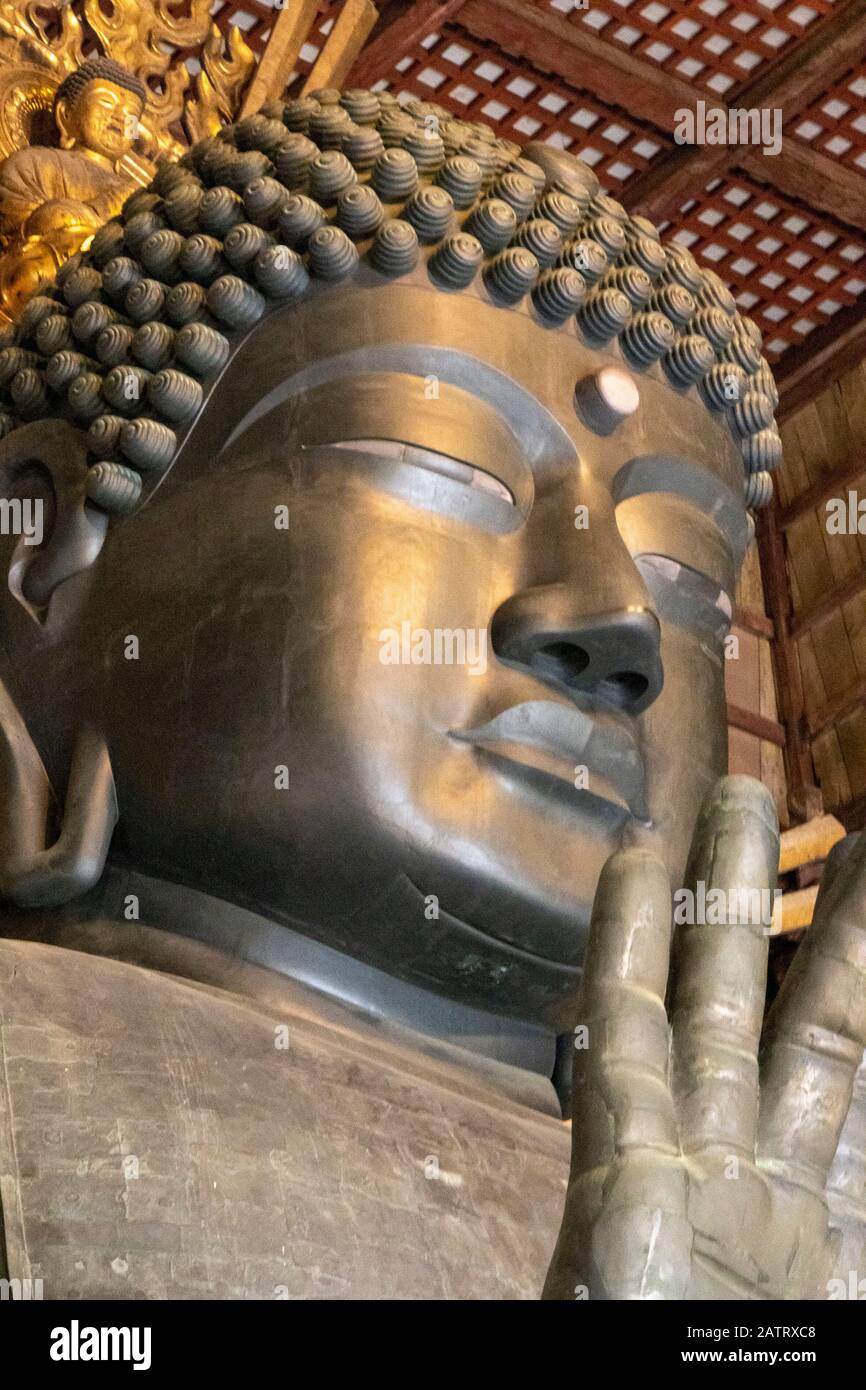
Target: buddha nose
[(611, 655)]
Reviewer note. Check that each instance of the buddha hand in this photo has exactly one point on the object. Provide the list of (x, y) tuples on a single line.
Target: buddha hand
[(716, 1154)]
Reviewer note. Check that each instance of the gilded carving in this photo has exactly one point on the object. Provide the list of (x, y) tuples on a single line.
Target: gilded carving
[(80, 129)]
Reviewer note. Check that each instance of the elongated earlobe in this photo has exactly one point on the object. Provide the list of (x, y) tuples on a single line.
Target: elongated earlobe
[(78, 530), (62, 121), (33, 874)]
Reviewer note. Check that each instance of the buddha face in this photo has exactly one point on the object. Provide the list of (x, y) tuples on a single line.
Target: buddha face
[(103, 120), (414, 635)]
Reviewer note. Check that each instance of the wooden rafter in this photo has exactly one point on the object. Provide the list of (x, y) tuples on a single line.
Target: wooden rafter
[(770, 730), (280, 54), (837, 710), (789, 84), (804, 173), (756, 623), (808, 843), (808, 618), (399, 35), (652, 95), (833, 484), (342, 46), (553, 45), (827, 353), (802, 793)]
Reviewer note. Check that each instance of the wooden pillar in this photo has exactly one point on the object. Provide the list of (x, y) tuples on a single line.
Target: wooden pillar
[(804, 797), (291, 27), (343, 45)]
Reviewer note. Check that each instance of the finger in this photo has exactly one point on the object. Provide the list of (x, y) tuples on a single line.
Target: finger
[(816, 1032), (621, 1096), (625, 1233), (831, 878), (846, 1191), (721, 927)]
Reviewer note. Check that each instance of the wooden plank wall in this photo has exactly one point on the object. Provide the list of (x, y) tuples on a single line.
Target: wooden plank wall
[(750, 688), (823, 439)]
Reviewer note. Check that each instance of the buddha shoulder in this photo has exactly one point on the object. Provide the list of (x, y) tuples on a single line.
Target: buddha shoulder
[(39, 174)]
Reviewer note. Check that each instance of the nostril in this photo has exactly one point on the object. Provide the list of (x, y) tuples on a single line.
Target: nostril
[(610, 656), (623, 687), (562, 660)]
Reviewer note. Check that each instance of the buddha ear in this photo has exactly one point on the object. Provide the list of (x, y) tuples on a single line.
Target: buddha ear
[(64, 123), (44, 505)]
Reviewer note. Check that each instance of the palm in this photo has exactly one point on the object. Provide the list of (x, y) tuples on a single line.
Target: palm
[(713, 1157)]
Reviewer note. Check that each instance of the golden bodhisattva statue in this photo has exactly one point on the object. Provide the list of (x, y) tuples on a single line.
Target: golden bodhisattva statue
[(53, 199)]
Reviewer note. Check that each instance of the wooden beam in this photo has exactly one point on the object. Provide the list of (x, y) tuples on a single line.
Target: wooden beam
[(803, 795), (755, 623), (804, 71), (831, 485), (342, 45), (399, 38), (809, 618), (811, 176), (803, 844), (277, 62), (660, 191), (812, 64), (837, 710), (793, 911), (797, 171), (750, 723), (803, 372), (579, 58)]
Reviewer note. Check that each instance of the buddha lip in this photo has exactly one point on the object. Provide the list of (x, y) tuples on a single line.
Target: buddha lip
[(568, 733)]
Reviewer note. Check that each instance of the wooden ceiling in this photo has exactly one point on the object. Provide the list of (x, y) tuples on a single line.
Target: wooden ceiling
[(823, 614), (786, 231)]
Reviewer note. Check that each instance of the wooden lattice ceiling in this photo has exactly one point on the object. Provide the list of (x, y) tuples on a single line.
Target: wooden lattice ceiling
[(789, 270), (256, 18), (716, 44), (836, 122), (603, 80), (477, 81)]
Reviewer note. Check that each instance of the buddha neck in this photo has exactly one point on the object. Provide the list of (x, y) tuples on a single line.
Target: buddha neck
[(168, 926), (92, 156)]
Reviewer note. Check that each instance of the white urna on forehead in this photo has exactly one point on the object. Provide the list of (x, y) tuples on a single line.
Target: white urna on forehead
[(608, 397), (131, 339)]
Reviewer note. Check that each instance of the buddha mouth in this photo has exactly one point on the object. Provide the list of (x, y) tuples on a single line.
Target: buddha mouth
[(591, 754)]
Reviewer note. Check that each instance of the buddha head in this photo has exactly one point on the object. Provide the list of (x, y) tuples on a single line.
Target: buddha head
[(97, 109), (427, 474)]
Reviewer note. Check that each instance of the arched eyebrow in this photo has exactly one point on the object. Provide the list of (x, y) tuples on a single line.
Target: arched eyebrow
[(540, 436), (659, 472), (397, 406)]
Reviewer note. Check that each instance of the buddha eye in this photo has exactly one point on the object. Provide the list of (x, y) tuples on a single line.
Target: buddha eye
[(432, 462), (685, 595)]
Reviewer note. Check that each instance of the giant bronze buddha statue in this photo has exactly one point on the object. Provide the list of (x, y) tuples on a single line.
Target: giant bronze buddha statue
[(361, 704)]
